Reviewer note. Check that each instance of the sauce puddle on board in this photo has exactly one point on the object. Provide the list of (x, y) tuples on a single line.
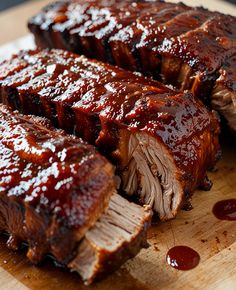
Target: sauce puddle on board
[(225, 210), (182, 258)]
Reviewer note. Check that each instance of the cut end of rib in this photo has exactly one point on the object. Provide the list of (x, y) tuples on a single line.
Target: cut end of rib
[(117, 236), (224, 101), (151, 173)]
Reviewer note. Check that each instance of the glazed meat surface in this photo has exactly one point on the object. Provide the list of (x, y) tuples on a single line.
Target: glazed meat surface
[(58, 195), (161, 140), (187, 47), (63, 184)]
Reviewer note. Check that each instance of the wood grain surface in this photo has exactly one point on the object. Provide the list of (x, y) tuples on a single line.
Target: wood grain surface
[(215, 240), (13, 22)]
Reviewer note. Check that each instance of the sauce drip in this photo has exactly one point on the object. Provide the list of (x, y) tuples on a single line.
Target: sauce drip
[(225, 209), (182, 258)]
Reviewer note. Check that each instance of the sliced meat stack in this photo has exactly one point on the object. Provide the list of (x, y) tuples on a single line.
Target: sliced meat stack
[(162, 141), (190, 48), (58, 194)]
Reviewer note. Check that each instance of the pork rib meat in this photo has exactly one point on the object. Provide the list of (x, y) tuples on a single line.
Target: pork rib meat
[(187, 47), (162, 141), (57, 193)]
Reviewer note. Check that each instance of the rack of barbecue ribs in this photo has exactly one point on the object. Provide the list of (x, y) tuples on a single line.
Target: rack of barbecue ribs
[(58, 195), (162, 141), (190, 48)]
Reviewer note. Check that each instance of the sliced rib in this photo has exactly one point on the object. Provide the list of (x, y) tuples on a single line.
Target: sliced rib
[(58, 182), (164, 140), (224, 92), (117, 236), (58, 195), (182, 46)]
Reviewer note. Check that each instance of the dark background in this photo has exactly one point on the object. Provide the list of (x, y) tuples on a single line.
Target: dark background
[(4, 4)]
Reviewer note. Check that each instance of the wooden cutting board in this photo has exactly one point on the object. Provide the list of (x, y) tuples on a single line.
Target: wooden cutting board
[(213, 239)]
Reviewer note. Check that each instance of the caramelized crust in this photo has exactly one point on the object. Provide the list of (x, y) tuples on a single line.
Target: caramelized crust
[(179, 45), (110, 107), (56, 184), (58, 195)]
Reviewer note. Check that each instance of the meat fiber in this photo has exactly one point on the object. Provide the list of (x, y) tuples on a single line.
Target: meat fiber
[(118, 235), (224, 92), (180, 45), (161, 140), (58, 195)]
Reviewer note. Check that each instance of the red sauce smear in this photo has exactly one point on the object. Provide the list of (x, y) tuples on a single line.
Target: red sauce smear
[(182, 258), (225, 210)]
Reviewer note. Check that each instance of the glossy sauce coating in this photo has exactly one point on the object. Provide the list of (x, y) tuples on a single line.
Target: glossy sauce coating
[(225, 210), (190, 48), (47, 169), (138, 35), (93, 99), (202, 50), (182, 258), (52, 186)]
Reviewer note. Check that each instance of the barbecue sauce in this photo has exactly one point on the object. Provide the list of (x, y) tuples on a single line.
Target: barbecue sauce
[(225, 210), (182, 258)]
